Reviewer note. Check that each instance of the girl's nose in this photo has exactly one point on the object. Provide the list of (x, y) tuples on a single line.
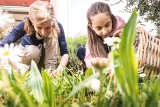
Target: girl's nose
[(44, 32), (104, 31)]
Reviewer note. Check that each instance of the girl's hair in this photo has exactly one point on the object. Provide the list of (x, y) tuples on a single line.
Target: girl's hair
[(95, 42), (40, 12)]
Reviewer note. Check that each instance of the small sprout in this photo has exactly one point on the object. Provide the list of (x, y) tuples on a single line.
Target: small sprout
[(100, 63), (93, 84), (109, 94)]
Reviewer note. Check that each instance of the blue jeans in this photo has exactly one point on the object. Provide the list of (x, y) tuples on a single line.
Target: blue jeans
[(81, 53)]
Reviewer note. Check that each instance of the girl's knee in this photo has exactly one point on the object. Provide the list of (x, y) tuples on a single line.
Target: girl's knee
[(81, 50), (30, 53)]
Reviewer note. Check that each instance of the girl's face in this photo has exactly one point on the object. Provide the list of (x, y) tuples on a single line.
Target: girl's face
[(101, 23), (44, 29)]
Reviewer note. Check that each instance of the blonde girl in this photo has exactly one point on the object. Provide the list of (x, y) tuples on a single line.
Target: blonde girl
[(42, 36)]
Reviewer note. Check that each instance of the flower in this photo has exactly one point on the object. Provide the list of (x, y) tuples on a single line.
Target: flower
[(109, 94), (142, 75), (110, 41), (10, 55), (99, 63), (93, 84)]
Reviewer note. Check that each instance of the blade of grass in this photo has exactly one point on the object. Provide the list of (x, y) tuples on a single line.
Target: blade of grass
[(48, 89), (36, 83), (127, 72)]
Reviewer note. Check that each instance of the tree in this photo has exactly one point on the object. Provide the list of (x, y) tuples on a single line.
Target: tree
[(148, 9)]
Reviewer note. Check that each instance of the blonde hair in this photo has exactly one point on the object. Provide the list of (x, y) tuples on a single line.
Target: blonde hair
[(40, 12)]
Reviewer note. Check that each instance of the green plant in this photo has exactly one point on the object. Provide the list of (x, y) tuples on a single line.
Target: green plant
[(73, 44)]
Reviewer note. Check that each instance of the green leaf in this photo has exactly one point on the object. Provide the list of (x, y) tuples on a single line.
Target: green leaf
[(48, 89), (36, 83), (127, 72), (17, 92), (81, 85), (153, 96)]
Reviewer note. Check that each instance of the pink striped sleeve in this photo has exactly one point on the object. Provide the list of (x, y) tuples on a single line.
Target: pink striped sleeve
[(88, 56), (120, 23)]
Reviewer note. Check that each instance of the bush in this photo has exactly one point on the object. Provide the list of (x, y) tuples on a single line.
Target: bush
[(73, 44)]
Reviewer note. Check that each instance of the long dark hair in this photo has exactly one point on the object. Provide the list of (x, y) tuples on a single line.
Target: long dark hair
[(95, 42)]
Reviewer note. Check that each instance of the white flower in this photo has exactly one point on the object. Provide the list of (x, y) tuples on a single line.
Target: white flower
[(79, 72), (110, 41), (10, 53), (109, 94), (10, 57), (142, 75), (93, 84)]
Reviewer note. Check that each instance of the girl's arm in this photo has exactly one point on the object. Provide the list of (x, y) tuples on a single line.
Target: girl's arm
[(63, 51)]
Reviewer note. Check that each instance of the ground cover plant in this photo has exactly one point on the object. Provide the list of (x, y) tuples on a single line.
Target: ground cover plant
[(73, 44), (123, 87)]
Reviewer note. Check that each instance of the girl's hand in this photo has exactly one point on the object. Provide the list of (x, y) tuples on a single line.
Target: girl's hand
[(58, 71), (117, 33)]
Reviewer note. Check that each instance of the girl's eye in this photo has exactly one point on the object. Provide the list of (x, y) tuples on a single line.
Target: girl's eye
[(107, 24), (39, 27), (48, 28), (98, 28), (53, 25)]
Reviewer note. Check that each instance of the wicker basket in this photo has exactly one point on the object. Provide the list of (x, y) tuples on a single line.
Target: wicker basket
[(148, 52)]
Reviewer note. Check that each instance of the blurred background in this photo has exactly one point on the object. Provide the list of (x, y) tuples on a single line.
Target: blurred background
[(72, 13)]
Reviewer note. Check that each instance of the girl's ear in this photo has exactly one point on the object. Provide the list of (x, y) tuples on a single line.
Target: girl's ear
[(90, 26)]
